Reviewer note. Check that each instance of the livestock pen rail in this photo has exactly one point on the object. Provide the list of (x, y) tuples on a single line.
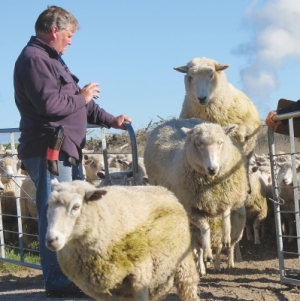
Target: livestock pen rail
[(17, 242), (289, 275)]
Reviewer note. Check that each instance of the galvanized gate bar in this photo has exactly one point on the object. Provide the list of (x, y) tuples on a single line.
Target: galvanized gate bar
[(287, 276)]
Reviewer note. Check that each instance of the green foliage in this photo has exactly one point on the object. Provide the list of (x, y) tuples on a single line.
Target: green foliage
[(6, 267)]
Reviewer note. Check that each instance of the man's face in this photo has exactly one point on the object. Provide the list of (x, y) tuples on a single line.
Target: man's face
[(63, 39)]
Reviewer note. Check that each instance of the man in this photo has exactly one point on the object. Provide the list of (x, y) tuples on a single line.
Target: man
[(47, 96)]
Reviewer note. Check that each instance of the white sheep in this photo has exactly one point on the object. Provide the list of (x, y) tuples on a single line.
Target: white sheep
[(141, 178), (29, 210), (115, 177), (8, 198), (117, 161), (203, 166), (285, 182), (92, 163), (256, 204), (118, 241), (1, 187), (210, 97)]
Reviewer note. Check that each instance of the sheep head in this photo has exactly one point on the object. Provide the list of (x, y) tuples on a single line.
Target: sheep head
[(206, 147), (201, 79), (64, 207)]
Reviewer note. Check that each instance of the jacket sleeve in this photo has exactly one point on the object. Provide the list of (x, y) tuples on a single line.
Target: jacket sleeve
[(292, 108), (97, 115), (51, 90)]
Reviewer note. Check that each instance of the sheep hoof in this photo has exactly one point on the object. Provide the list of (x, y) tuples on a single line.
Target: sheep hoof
[(209, 259), (226, 245)]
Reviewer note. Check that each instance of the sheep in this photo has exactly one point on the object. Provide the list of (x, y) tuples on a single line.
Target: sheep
[(8, 198), (1, 187), (29, 210), (142, 178), (115, 177), (120, 160), (285, 182), (203, 166), (121, 241), (256, 204), (210, 97), (92, 164)]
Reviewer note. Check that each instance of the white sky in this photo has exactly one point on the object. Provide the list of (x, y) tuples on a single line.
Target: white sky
[(130, 47)]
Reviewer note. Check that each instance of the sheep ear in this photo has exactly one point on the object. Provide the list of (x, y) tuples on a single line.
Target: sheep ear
[(186, 130), (230, 129), (182, 69), (123, 162), (220, 67), (94, 195)]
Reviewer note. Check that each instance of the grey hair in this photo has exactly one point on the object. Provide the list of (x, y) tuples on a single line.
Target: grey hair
[(55, 16)]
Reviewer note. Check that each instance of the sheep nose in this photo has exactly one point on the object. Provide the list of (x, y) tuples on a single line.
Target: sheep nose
[(50, 241), (211, 170), (202, 100)]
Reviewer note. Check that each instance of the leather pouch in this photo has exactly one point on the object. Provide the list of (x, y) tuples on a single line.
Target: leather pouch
[(53, 149)]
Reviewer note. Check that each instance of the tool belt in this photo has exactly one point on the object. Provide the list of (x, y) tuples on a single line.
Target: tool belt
[(52, 155)]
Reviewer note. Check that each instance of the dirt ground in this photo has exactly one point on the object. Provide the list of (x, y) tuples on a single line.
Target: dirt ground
[(255, 278)]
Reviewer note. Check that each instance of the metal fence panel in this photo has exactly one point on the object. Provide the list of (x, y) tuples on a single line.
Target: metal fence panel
[(16, 238), (289, 274)]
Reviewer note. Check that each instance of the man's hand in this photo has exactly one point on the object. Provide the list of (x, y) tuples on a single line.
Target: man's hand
[(90, 91), (270, 122), (119, 122)]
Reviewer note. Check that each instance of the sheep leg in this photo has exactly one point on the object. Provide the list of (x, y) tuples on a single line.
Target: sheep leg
[(230, 253), (238, 254), (217, 264), (199, 261), (201, 222), (291, 223), (256, 226), (186, 280), (226, 228), (238, 221), (249, 231), (141, 295)]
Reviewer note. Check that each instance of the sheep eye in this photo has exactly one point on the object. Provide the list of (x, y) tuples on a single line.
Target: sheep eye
[(212, 75), (76, 207)]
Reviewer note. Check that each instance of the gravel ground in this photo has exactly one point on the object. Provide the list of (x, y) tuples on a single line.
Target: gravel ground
[(255, 278)]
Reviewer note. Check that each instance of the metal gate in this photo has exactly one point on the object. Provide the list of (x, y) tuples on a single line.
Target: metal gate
[(288, 256), (20, 249)]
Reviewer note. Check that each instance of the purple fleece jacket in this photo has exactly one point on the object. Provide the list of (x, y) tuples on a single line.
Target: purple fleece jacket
[(46, 95)]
